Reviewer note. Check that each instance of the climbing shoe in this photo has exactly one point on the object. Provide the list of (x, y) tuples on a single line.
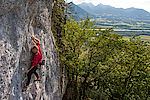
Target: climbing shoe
[(25, 88), (37, 79)]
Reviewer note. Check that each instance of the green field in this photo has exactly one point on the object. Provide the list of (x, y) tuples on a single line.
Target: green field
[(122, 24), (141, 37), (131, 24)]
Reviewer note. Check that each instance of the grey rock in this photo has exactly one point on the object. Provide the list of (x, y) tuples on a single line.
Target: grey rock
[(19, 20)]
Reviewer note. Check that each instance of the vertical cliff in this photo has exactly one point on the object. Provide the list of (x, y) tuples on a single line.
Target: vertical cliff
[(19, 20)]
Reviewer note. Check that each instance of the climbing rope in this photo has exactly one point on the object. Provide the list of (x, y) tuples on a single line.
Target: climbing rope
[(31, 80), (33, 89)]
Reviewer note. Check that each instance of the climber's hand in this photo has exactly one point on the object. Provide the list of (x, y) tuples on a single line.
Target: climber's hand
[(28, 71), (33, 38)]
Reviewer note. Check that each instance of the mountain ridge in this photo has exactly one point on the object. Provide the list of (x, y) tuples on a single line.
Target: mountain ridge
[(77, 11), (101, 9), (84, 3), (105, 15)]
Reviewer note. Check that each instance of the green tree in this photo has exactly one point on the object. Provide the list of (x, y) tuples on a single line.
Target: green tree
[(59, 18), (100, 65)]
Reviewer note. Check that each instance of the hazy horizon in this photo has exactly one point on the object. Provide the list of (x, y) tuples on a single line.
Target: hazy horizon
[(141, 4)]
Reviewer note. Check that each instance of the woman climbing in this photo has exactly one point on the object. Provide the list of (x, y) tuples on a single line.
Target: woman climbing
[(36, 50)]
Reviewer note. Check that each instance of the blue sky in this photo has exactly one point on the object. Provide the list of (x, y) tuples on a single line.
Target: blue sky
[(144, 4)]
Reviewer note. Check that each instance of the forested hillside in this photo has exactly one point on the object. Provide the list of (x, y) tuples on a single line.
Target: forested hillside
[(102, 66)]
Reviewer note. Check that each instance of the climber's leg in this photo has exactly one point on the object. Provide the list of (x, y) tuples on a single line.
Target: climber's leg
[(36, 74), (28, 81), (29, 78)]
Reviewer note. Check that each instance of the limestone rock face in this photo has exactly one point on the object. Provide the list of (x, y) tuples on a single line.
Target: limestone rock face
[(19, 20)]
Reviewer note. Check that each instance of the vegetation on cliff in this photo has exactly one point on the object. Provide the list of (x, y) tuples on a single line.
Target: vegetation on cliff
[(100, 65)]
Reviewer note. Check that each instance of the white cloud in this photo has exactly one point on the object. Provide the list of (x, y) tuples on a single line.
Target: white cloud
[(144, 4)]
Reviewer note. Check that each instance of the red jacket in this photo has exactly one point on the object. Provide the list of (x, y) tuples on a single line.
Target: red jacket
[(37, 57)]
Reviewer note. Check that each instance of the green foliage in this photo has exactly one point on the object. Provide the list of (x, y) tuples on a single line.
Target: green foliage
[(58, 20), (103, 66)]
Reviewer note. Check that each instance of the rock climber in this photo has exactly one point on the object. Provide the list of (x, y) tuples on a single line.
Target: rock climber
[(37, 59)]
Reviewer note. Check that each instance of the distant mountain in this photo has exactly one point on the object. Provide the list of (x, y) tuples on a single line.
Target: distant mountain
[(86, 4), (102, 10), (89, 7), (78, 12), (108, 16), (137, 12)]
